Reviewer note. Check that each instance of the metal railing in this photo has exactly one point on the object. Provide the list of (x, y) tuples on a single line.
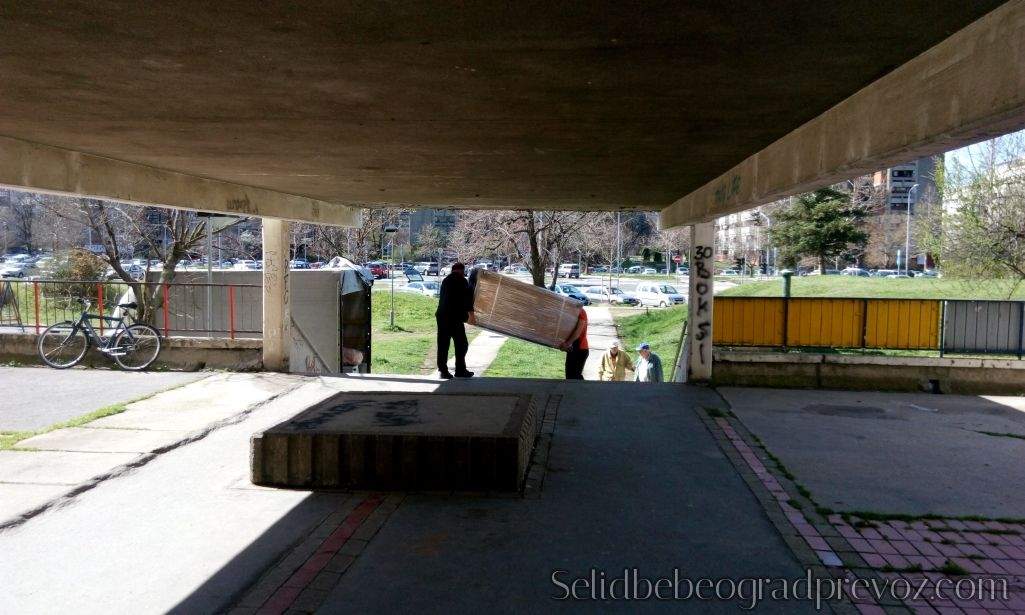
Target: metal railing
[(236, 309), (944, 325)]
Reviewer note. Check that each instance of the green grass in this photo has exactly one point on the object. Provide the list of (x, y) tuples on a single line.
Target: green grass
[(660, 328), (10, 438), (913, 288), (520, 359), (402, 350)]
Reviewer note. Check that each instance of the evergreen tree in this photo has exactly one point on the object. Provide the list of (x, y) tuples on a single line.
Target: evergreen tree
[(823, 224)]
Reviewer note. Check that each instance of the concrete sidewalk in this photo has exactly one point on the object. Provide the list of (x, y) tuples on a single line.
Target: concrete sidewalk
[(37, 397), (482, 351), (46, 470), (896, 453)]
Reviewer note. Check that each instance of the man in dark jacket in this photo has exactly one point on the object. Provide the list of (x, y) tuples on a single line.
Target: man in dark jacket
[(455, 307)]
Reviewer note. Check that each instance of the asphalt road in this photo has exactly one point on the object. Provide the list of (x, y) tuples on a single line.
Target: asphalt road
[(36, 397)]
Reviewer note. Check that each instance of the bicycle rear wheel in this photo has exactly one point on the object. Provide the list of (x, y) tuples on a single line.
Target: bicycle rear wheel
[(136, 347), (62, 345)]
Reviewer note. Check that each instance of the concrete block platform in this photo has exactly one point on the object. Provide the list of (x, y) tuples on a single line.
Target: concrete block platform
[(412, 441)]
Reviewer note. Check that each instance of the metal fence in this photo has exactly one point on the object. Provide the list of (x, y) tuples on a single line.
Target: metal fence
[(234, 309), (984, 327), (961, 326)]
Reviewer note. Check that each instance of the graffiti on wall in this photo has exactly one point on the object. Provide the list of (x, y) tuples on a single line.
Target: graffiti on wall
[(701, 312)]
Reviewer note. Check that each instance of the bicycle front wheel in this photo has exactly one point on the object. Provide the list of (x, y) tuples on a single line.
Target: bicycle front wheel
[(136, 347), (62, 345)]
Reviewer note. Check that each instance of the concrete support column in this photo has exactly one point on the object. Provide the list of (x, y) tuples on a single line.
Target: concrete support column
[(699, 304), (276, 314)]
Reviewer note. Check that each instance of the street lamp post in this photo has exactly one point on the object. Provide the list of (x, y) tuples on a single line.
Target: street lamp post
[(390, 230), (769, 262), (907, 239)]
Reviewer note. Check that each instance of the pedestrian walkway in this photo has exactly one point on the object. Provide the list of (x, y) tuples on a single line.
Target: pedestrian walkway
[(482, 351), (601, 333), (37, 397), (642, 486), (43, 470)]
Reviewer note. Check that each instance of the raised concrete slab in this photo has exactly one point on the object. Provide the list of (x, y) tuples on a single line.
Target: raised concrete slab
[(895, 452), (401, 441), (85, 439), (57, 467)]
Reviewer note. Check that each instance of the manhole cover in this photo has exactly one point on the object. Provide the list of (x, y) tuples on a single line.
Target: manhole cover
[(856, 412)]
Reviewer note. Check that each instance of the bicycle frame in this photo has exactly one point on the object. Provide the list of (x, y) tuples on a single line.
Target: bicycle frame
[(85, 324)]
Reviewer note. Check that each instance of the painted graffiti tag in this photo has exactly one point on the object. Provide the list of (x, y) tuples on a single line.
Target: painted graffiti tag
[(702, 271), (727, 190)]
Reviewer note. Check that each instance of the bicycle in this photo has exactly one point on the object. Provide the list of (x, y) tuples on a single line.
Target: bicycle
[(133, 347)]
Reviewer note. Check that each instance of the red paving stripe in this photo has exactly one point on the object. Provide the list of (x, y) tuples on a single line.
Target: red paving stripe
[(285, 596)]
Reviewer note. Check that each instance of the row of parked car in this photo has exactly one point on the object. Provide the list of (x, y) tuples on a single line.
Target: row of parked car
[(879, 273), (646, 294)]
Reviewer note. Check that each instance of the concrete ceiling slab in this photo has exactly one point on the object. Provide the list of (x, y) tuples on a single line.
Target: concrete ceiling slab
[(596, 105)]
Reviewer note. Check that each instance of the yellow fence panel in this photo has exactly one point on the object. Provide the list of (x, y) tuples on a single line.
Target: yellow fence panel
[(833, 323), (748, 321), (904, 324)]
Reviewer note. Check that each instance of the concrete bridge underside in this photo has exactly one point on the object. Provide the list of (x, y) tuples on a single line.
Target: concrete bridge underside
[(312, 111)]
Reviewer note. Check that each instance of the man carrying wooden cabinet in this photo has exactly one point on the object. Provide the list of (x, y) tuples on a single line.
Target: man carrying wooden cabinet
[(455, 307)]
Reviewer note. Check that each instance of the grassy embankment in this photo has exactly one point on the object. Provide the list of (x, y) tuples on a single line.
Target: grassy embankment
[(907, 288), (660, 328), (402, 350), (405, 349), (520, 359)]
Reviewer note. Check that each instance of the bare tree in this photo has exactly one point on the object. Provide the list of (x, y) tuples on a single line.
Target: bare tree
[(979, 231), (539, 239)]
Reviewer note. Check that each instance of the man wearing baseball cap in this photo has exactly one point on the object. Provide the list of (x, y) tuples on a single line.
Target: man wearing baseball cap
[(649, 365)]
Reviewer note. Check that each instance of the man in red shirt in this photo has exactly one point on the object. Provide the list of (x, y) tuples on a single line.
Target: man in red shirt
[(576, 349)]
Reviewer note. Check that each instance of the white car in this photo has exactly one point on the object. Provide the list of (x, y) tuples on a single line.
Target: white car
[(615, 296), (247, 265), (649, 271), (12, 270), (569, 270), (659, 295), (431, 289)]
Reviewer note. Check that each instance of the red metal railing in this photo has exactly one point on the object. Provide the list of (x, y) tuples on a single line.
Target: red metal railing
[(181, 308)]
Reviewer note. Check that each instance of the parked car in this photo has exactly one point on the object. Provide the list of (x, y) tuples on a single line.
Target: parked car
[(730, 272), (659, 295), (377, 269), (898, 275), (431, 289), (247, 265), (299, 264), (615, 296), (649, 271), (12, 269), (855, 272), (599, 269), (928, 273), (569, 270), (572, 292), (635, 269), (884, 273)]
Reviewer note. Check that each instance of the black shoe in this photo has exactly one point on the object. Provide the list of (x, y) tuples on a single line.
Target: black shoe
[(445, 375), (464, 374)]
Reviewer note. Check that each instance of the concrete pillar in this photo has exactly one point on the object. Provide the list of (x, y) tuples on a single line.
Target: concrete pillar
[(699, 304), (276, 315)]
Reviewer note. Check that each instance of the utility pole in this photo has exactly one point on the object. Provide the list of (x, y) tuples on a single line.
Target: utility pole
[(907, 239)]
